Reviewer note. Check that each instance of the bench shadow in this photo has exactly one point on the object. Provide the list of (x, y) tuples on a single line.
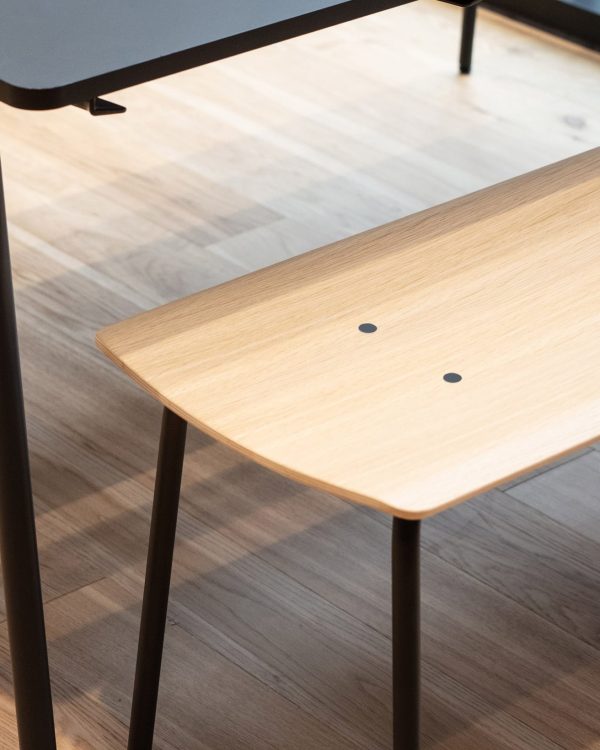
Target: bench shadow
[(307, 616)]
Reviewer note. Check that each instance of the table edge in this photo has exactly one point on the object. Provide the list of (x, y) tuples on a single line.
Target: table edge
[(106, 83)]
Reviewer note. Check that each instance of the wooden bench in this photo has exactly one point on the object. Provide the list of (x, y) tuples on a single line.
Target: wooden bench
[(407, 368)]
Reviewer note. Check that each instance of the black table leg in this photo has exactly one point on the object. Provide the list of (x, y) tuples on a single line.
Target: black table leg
[(467, 39), (158, 579), (18, 545), (406, 633)]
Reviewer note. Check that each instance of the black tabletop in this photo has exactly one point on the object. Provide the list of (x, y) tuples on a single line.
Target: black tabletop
[(59, 52)]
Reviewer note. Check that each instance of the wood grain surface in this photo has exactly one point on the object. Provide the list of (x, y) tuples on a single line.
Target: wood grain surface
[(499, 288)]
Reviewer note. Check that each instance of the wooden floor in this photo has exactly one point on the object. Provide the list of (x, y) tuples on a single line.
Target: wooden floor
[(279, 629)]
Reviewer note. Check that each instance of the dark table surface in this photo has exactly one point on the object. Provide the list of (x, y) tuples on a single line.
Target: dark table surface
[(59, 52)]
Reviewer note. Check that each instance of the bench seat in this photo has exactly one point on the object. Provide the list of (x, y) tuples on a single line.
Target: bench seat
[(500, 288)]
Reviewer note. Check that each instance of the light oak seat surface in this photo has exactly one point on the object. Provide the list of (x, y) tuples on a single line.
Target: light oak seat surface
[(501, 287)]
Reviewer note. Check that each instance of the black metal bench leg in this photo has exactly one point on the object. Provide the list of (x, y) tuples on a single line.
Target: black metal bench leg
[(468, 35), (158, 579), (406, 633), (18, 544)]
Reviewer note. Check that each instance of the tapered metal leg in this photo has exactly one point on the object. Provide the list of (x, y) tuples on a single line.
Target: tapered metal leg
[(406, 597), (18, 545), (158, 579), (468, 36)]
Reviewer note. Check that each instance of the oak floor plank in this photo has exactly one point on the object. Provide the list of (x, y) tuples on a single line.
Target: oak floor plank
[(568, 493), (546, 567)]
